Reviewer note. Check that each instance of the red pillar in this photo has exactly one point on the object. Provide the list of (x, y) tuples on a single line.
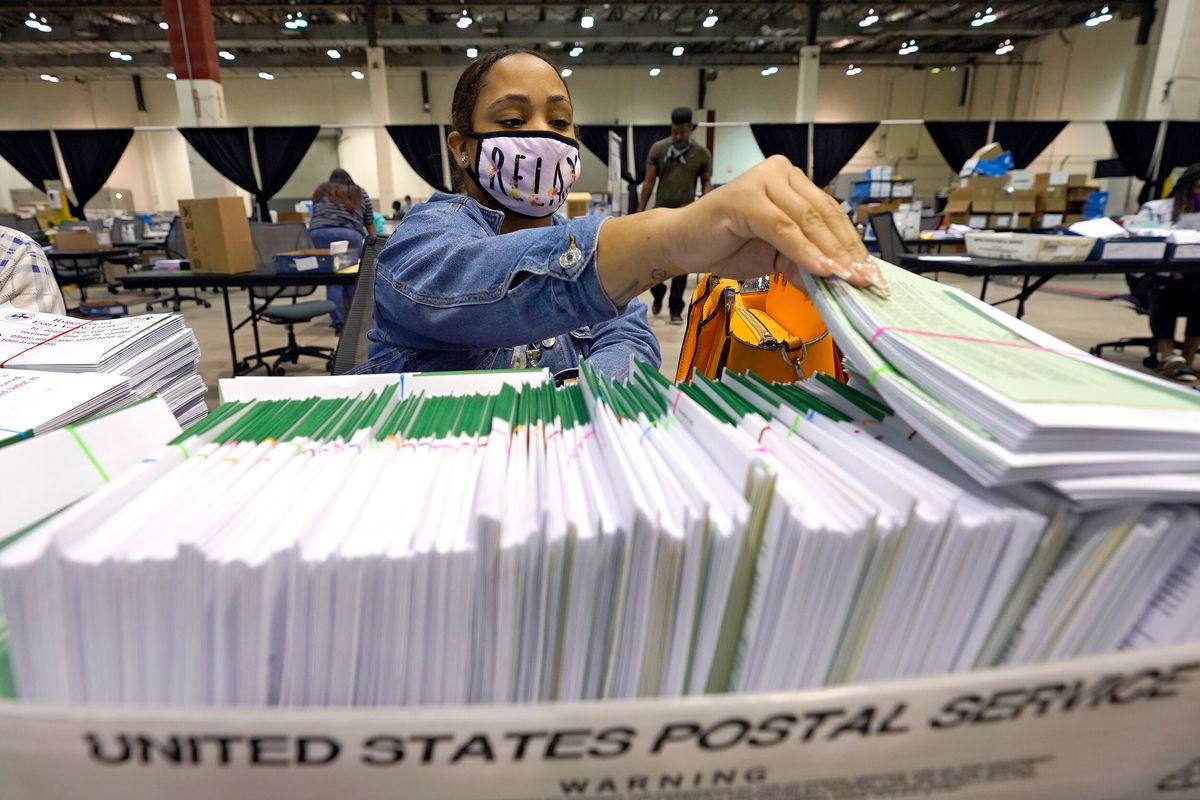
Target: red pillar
[(193, 42)]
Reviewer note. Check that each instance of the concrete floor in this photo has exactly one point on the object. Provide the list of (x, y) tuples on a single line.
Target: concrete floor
[(1082, 319)]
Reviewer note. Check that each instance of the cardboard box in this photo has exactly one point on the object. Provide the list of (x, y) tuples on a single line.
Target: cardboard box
[(958, 218), (1071, 219), (958, 202), (1003, 221), (1133, 248), (1053, 198), (113, 272), (864, 211), (1050, 220), (1002, 202), (983, 193), (1020, 180), (1080, 194), (293, 216), (989, 152), (577, 203), (978, 220), (82, 240), (217, 233), (1077, 179), (1024, 201), (315, 260), (1043, 180), (1030, 246)]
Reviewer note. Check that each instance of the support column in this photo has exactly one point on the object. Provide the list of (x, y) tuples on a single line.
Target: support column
[(806, 89), (198, 89), (380, 116), (1174, 86)]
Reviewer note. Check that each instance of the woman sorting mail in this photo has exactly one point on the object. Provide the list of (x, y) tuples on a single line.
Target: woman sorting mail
[(492, 278)]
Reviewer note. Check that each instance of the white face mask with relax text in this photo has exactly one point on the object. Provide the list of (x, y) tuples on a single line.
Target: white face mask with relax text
[(528, 173)]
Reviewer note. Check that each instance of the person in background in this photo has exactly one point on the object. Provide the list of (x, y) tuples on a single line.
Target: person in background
[(676, 163), (1171, 295), (26, 279), (492, 278), (397, 210), (341, 213)]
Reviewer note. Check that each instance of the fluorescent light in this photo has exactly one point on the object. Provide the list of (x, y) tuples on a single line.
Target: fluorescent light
[(1098, 17), (853, 70), (266, 76), (464, 21), (49, 78), (870, 19), (44, 28), (710, 21), (171, 76), (576, 52), (655, 72), (163, 25), (909, 47), (357, 75), (983, 18), (567, 72), (770, 70), (587, 21), (119, 196), (114, 53), (677, 50), (225, 54), (1005, 47), (935, 71), (334, 54), (472, 52), (126, 57)]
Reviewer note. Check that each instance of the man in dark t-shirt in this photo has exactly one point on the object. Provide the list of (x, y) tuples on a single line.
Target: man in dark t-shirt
[(676, 163)]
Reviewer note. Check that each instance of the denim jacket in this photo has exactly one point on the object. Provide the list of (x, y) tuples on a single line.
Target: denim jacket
[(451, 293)]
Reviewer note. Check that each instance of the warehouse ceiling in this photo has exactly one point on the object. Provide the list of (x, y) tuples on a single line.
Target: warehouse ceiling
[(76, 38)]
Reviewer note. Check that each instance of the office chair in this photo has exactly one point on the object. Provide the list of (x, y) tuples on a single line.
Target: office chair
[(1138, 305), (269, 239), (891, 243), (176, 247), (352, 345)]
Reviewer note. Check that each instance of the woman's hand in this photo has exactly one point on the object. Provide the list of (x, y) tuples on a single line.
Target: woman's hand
[(771, 218)]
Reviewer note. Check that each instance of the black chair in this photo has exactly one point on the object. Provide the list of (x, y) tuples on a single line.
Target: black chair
[(269, 239), (1138, 304), (176, 247), (352, 345), (891, 243)]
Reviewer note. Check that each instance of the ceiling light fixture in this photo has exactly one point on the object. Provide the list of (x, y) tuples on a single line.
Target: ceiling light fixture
[(710, 20), (114, 54), (472, 52), (870, 19), (853, 70), (357, 75), (171, 76), (464, 20), (576, 51), (225, 54), (163, 25), (567, 72), (983, 18), (38, 23), (119, 196), (1094, 19), (334, 53), (909, 47), (770, 70), (935, 71), (677, 50), (587, 20), (266, 76), (1005, 48), (126, 57), (50, 78), (655, 72)]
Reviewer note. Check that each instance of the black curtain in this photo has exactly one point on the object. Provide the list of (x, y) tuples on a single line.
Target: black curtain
[(834, 144), (1134, 142), (1027, 139), (279, 150), (788, 139), (90, 157), (421, 146), (957, 141), (644, 137), (595, 139), (1181, 148), (31, 153), (227, 150)]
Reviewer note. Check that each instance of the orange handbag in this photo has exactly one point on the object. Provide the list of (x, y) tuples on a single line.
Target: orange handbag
[(767, 327)]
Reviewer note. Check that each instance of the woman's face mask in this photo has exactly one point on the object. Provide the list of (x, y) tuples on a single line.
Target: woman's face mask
[(528, 173)]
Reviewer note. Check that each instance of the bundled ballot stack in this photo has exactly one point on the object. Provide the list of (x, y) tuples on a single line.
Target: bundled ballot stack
[(604, 540), (1010, 404), (140, 356)]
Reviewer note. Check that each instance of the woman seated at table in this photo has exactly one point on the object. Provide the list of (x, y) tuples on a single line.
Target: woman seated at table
[(491, 278), (341, 213)]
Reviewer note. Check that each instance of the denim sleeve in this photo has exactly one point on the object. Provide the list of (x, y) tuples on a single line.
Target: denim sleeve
[(615, 340), (457, 286)]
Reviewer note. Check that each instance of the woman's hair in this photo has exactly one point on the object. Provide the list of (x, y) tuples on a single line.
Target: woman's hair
[(1185, 187), (466, 92), (341, 190)]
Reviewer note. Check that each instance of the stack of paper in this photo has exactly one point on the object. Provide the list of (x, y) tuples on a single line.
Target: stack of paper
[(1006, 402), (155, 352), (34, 402), (604, 540)]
